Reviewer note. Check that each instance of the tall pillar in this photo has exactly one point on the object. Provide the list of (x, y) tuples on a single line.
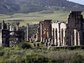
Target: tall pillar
[(62, 34), (54, 36), (0, 38), (41, 32), (27, 32), (70, 36), (78, 38), (64, 43), (75, 37), (58, 34), (4, 26)]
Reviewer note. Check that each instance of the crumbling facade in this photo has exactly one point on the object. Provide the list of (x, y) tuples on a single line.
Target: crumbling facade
[(63, 34), (58, 34), (74, 31), (10, 34), (45, 32)]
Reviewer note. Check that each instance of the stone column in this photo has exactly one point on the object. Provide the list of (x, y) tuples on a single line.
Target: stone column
[(27, 32), (78, 39), (0, 38), (64, 37), (54, 36), (2, 26), (58, 34), (41, 32), (75, 37), (61, 35)]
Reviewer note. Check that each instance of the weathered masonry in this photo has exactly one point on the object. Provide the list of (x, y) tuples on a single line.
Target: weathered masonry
[(10, 34), (45, 29), (58, 34), (62, 34), (75, 29)]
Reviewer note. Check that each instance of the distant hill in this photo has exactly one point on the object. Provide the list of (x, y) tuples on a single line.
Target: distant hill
[(14, 6)]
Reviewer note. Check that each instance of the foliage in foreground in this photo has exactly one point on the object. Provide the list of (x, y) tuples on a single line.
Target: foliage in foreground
[(25, 53)]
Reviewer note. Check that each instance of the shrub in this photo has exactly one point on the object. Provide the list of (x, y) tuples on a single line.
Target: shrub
[(77, 58), (1, 53), (36, 59), (26, 46)]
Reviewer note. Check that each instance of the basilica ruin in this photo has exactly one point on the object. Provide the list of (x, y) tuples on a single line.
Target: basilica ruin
[(62, 34), (10, 34), (59, 34)]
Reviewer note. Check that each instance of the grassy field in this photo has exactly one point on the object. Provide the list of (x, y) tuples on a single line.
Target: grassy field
[(35, 17), (25, 53)]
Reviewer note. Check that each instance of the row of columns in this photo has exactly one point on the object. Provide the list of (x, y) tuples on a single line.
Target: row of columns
[(59, 37), (58, 34)]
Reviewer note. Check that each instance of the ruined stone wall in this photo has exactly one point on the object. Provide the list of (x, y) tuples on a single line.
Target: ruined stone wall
[(58, 34), (10, 34), (74, 29), (45, 31), (5, 38)]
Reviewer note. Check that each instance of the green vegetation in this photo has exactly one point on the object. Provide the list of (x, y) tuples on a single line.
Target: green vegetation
[(37, 53), (27, 53), (35, 17), (14, 6)]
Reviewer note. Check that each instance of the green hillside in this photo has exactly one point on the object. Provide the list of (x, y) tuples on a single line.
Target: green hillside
[(27, 6), (35, 17)]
